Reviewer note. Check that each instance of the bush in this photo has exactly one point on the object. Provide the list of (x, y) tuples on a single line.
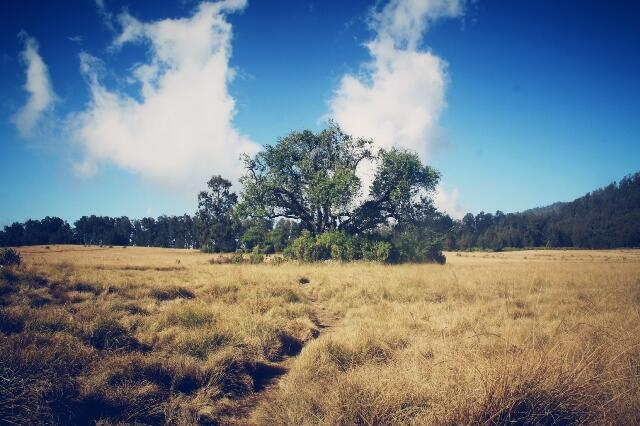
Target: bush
[(256, 257), (337, 245), (237, 257), (415, 245), (379, 251), (9, 257), (330, 245), (303, 248)]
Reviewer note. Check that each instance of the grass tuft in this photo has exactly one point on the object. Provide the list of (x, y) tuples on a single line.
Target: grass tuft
[(171, 293)]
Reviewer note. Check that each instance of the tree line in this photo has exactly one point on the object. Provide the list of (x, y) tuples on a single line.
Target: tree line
[(304, 189), (303, 196), (608, 217), (164, 231)]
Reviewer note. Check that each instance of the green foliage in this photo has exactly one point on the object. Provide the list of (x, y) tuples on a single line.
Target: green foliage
[(9, 257), (256, 257), (218, 228), (417, 244), (306, 181), (379, 251), (305, 176), (256, 235), (303, 248), (237, 257), (335, 245), (605, 218), (312, 178)]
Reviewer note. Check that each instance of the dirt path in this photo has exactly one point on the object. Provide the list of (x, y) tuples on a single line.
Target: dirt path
[(267, 387)]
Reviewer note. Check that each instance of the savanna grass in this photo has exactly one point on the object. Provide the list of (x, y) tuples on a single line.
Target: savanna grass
[(109, 335)]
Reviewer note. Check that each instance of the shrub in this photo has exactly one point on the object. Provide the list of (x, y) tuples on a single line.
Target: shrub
[(337, 245), (330, 245), (256, 256), (303, 248), (237, 257), (9, 257), (417, 244), (334, 245), (377, 251)]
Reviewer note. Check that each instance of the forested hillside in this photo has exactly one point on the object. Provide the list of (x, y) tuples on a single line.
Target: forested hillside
[(605, 218)]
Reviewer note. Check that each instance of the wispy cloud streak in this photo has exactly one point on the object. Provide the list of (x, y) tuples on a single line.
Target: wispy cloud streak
[(41, 96)]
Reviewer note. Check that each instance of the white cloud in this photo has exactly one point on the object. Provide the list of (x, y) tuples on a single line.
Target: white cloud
[(178, 129), (405, 21), (448, 201), (38, 86), (104, 14), (398, 98)]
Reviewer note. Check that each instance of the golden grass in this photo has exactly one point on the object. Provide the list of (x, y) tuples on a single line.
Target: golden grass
[(160, 335)]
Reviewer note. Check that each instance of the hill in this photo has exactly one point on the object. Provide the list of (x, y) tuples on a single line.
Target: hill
[(605, 218), (551, 208)]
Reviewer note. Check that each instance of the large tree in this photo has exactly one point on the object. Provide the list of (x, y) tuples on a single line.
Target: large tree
[(314, 178)]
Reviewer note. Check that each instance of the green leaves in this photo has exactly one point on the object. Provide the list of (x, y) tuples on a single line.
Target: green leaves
[(218, 227), (314, 178), (305, 176)]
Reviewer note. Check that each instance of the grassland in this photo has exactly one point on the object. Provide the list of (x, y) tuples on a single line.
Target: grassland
[(124, 335)]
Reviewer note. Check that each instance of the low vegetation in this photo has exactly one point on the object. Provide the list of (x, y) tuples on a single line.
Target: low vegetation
[(82, 342), (9, 257), (89, 334)]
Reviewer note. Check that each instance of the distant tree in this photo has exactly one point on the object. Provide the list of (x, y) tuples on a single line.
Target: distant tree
[(147, 236), (14, 234), (284, 231), (256, 234), (123, 230), (218, 228)]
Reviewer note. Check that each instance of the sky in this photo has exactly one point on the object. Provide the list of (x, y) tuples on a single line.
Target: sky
[(114, 107)]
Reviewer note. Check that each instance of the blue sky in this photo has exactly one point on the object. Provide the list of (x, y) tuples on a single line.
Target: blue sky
[(520, 104)]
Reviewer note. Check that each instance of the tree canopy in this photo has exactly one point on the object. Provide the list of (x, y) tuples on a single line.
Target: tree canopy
[(313, 178), (605, 218), (215, 215)]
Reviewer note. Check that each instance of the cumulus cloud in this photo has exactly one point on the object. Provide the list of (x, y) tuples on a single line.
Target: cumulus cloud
[(449, 201), (177, 127), (397, 98), (38, 85)]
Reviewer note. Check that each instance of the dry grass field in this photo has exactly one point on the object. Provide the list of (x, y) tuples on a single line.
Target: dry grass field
[(125, 335)]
